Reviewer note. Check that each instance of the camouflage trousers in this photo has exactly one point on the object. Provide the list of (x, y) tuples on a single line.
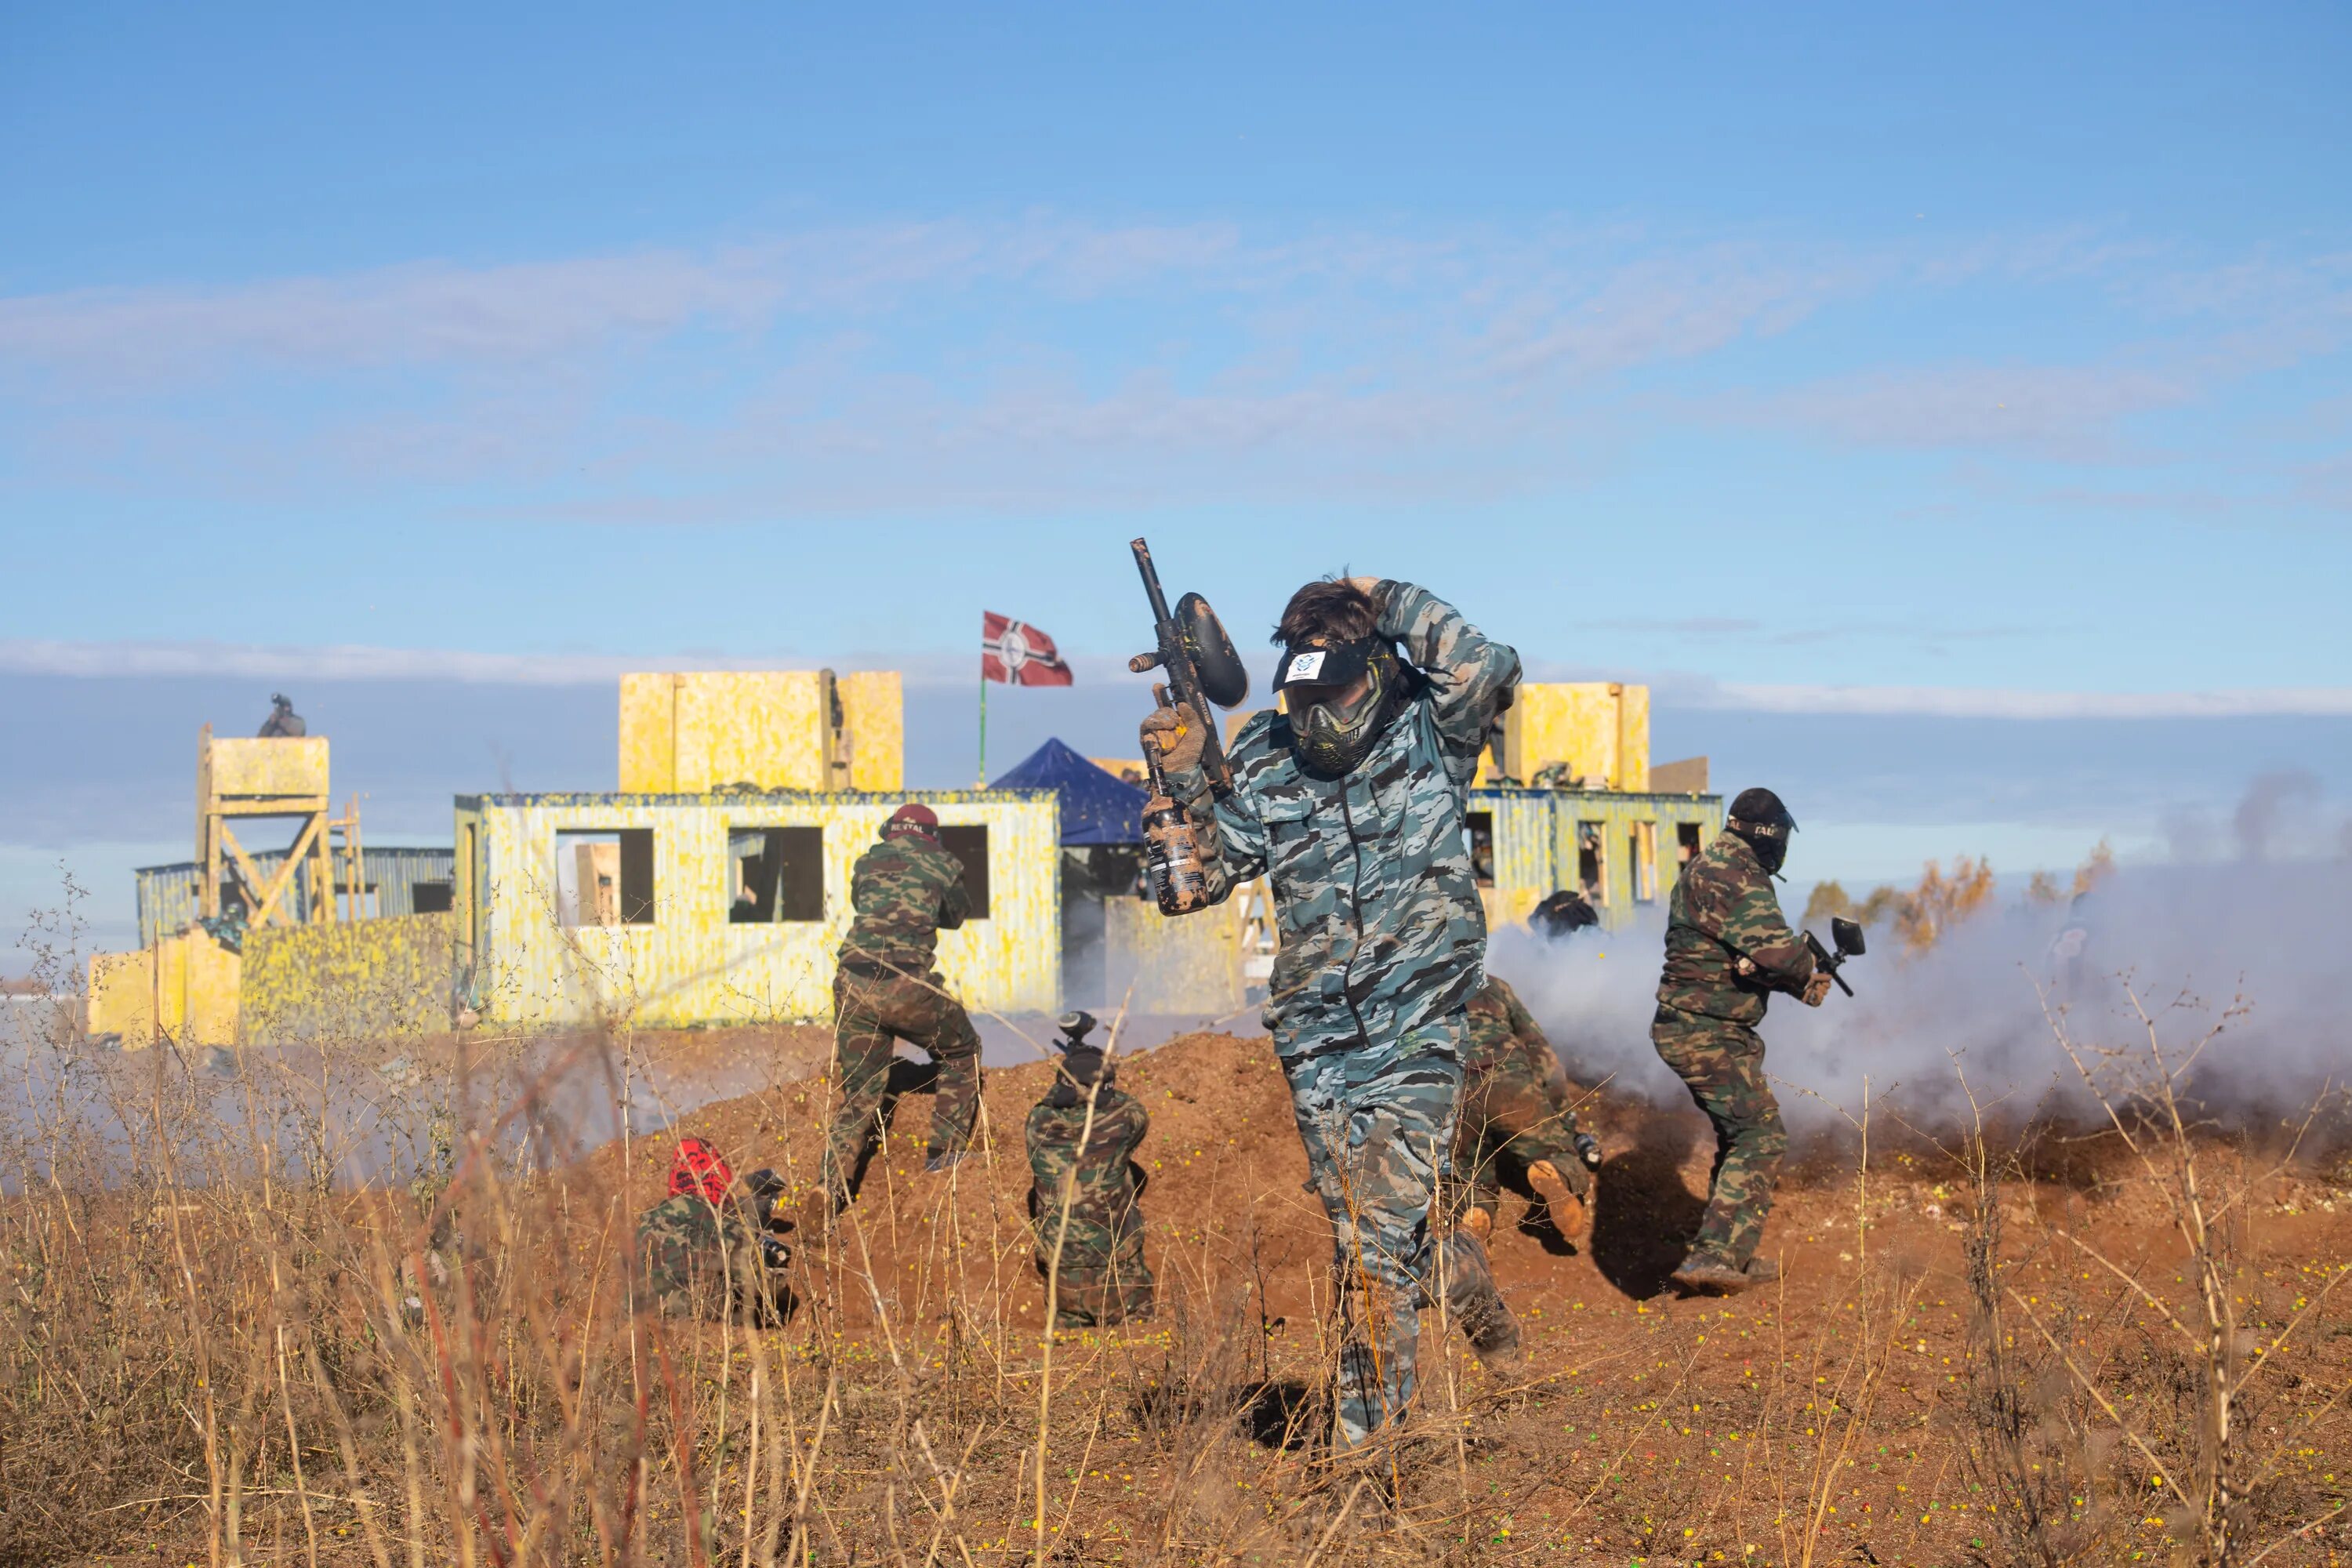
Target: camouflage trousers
[(1102, 1278), (1509, 1120), (870, 1013), (1377, 1124), (1723, 1066)]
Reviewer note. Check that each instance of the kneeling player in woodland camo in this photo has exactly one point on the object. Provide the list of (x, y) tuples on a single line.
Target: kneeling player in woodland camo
[(1517, 1118), (1088, 1188), (709, 1250)]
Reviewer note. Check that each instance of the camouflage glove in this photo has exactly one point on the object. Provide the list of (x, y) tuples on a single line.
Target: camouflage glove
[(1817, 988), (1176, 733)]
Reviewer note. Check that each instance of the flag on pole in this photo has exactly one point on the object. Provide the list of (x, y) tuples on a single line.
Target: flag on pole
[(1018, 654)]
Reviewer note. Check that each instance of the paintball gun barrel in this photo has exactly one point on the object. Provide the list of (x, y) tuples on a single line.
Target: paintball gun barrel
[(1192, 648), (1847, 935)]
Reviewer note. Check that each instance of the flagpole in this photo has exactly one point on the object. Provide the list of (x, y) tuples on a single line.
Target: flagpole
[(983, 726)]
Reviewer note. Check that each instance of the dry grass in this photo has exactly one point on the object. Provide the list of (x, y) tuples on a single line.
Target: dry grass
[(212, 1354)]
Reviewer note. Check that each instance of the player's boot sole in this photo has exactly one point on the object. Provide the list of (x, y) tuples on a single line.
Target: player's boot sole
[(1570, 1215)]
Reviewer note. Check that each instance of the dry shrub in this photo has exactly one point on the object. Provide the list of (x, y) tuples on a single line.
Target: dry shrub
[(301, 1315)]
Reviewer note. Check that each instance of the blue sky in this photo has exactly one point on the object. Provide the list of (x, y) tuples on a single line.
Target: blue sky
[(1985, 367)]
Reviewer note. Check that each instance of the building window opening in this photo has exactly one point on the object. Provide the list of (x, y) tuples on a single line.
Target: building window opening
[(970, 845), (604, 878), (1642, 844), (432, 898), (775, 874), (1591, 864), (1478, 833), (1686, 845)]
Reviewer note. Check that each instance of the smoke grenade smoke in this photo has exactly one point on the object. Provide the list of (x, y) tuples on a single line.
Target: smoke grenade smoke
[(2190, 940)]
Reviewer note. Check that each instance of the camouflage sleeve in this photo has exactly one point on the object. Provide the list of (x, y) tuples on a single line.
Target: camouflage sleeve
[(1472, 676), (1523, 1023), (1755, 928), (955, 904)]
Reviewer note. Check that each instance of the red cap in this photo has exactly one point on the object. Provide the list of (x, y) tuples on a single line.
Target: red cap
[(916, 815), (698, 1169)]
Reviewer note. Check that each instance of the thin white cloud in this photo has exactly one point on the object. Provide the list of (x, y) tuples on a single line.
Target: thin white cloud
[(361, 662), (165, 661), (1997, 702)]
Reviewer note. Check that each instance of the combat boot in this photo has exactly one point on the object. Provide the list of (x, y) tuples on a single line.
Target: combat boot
[(1478, 1222), (1493, 1333), (1762, 1271), (1570, 1215), (1705, 1274)]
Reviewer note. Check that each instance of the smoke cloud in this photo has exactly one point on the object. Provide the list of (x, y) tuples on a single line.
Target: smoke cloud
[(2191, 941)]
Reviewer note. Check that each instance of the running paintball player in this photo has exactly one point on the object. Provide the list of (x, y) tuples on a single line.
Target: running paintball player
[(1082, 1140), (1518, 1120), (903, 892), (1351, 803), (708, 1249), (1728, 948)]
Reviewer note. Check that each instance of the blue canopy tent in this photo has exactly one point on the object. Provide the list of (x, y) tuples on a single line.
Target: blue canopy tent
[(1097, 809)]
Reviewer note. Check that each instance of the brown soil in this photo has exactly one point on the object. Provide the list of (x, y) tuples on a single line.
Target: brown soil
[(1829, 1419)]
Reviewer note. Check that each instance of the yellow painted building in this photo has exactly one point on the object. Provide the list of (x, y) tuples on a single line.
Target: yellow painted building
[(183, 988), (1592, 733), (681, 909), (769, 729), (1622, 850)]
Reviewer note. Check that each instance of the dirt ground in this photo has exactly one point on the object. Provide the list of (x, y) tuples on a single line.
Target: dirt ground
[(1842, 1416)]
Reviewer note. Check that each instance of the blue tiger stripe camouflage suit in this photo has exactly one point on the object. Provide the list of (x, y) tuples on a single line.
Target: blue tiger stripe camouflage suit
[(1382, 943)]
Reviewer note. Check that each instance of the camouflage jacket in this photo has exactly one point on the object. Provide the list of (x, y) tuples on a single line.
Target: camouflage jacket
[(688, 1247), (1504, 1035), (904, 891), (1110, 1183), (1723, 911), (1380, 926)]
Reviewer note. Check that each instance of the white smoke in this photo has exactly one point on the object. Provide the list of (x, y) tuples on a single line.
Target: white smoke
[(2193, 941)]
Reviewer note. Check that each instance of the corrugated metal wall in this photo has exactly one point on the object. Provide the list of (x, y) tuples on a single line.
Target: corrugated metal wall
[(167, 894), (690, 964)]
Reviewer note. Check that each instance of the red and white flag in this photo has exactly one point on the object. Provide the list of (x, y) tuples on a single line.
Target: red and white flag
[(1018, 654)]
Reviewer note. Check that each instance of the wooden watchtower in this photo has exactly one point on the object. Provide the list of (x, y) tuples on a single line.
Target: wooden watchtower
[(280, 776)]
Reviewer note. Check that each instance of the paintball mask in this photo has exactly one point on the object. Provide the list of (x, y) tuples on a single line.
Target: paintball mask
[(1081, 1064), (1333, 736), (1759, 817), (765, 1187)]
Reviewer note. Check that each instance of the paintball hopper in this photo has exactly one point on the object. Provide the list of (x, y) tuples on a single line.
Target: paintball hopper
[(1847, 935), (1075, 1025)]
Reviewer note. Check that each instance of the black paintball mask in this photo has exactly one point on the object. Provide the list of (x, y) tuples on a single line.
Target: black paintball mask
[(1332, 737), (1759, 819), (1082, 1065)]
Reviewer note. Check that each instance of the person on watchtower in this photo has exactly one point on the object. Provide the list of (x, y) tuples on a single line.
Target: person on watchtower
[(1351, 802), (283, 723), (904, 891)]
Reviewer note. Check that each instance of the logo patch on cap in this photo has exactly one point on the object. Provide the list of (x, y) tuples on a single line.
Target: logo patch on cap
[(1304, 666)]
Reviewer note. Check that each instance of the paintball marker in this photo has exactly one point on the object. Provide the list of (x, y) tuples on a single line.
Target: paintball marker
[(1847, 935), (766, 1187), (1201, 668)]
